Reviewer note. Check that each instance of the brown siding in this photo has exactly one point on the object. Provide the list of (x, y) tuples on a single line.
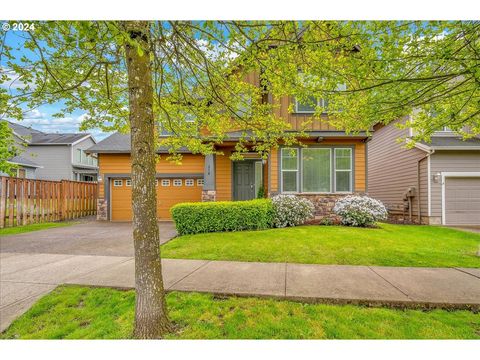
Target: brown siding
[(392, 169), (274, 171)]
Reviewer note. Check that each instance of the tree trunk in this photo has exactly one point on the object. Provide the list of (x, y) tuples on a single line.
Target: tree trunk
[(151, 319)]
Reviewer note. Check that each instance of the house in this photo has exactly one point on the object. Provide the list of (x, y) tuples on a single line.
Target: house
[(332, 165), (53, 156), (432, 183)]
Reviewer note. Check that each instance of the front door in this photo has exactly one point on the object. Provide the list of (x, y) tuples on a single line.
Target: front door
[(244, 180)]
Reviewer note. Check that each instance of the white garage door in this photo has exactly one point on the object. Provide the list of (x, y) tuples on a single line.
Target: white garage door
[(462, 201)]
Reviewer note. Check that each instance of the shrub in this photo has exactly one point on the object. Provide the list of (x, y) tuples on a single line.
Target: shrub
[(194, 218), (291, 210), (360, 210)]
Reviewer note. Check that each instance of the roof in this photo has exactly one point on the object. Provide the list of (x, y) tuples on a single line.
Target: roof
[(37, 137), (20, 160), (451, 143), (236, 135), (57, 139), (120, 143)]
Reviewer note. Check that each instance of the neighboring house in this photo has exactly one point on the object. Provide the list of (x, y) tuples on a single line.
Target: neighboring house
[(332, 165), (443, 176), (53, 156)]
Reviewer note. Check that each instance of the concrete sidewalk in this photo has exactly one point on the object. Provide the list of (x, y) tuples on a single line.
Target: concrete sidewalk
[(27, 277)]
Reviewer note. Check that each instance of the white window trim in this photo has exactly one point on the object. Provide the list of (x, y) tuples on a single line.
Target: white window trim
[(200, 182), (191, 181), (319, 103), (117, 182), (128, 182), (297, 171), (332, 172), (176, 181), (156, 182), (166, 182), (449, 174), (342, 170)]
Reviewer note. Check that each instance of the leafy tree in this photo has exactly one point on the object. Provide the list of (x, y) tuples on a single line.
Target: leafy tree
[(189, 79)]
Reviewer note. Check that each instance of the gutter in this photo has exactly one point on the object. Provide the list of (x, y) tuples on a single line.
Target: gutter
[(419, 203)]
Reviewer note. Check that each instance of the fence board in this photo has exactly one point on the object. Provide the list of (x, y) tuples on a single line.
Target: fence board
[(26, 201)]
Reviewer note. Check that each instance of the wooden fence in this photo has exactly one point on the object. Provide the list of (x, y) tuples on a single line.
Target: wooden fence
[(25, 201)]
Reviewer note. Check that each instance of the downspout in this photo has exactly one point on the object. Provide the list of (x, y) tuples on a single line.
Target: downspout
[(419, 203)]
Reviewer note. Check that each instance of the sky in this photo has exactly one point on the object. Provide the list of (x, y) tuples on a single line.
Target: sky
[(41, 118)]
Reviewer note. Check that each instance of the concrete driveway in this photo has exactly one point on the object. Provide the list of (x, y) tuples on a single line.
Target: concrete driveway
[(86, 238)]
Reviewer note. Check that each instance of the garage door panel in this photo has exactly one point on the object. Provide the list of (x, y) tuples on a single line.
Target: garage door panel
[(167, 196), (462, 201)]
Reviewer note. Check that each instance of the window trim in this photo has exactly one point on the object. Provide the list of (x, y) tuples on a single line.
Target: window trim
[(117, 182), (200, 182), (332, 170), (166, 182), (297, 170), (176, 180), (192, 182), (342, 170), (128, 182)]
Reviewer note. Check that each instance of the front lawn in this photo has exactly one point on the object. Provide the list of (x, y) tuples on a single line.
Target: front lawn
[(100, 313), (388, 245), (33, 227)]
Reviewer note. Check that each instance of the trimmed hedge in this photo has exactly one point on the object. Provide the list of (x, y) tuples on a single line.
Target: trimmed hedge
[(202, 217)]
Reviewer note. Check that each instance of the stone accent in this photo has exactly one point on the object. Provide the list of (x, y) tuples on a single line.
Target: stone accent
[(324, 204), (396, 218), (102, 209), (209, 195)]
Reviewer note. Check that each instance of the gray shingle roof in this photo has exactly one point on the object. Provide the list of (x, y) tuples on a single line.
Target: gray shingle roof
[(56, 139), (23, 130), (20, 160), (455, 142), (120, 143)]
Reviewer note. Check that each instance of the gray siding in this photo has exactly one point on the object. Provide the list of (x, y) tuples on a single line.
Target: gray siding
[(450, 161), (84, 145), (55, 159), (392, 169)]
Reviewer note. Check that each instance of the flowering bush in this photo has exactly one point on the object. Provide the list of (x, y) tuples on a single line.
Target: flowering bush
[(291, 210), (360, 210)]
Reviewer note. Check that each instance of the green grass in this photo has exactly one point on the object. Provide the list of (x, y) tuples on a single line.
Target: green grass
[(72, 312), (388, 245), (33, 227)]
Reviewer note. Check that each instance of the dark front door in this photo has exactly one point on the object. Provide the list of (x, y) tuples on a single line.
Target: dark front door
[(243, 180)]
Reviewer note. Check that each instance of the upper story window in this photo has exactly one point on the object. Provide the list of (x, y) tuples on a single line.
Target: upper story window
[(317, 170), (81, 157), (309, 105)]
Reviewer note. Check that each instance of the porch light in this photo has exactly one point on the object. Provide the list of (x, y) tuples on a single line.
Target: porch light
[(320, 139)]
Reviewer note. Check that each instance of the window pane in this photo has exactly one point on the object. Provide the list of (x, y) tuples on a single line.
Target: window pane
[(289, 181), (289, 159), (343, 181), (343, 159), (316, 170), (308, 106)]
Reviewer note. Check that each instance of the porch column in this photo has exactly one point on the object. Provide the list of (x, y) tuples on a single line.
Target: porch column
[(209, 192)]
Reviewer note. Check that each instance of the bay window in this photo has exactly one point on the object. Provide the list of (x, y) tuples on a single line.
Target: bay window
[(316, 169)]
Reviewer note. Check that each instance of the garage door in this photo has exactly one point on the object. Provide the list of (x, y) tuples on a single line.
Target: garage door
[(462, 201), (169, 193)]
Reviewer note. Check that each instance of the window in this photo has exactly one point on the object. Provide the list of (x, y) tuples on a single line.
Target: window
[(156, 182), (308, 107), (200, 182), (128, 182), (343, 170), (189, 182), (177, 182), (316, 173), (316, 170), (289, 170), (165, 182), (21, 173), (117, 182)]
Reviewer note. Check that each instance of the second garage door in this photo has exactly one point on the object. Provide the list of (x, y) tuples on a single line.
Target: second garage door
[(462, 201), (169, 193)]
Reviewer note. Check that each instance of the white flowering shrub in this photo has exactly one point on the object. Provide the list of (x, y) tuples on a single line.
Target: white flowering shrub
[(360, 210), (291, 210)]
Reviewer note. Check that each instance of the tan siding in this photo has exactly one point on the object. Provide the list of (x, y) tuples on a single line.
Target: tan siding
[(393, 168), (442, 161)]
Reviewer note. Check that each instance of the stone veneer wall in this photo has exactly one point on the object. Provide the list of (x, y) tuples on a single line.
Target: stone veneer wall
[(209, 195), (102, 209)]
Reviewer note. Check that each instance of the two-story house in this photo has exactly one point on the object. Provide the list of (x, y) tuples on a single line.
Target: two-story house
[(53, 156), (436, 182), (331, 165)]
